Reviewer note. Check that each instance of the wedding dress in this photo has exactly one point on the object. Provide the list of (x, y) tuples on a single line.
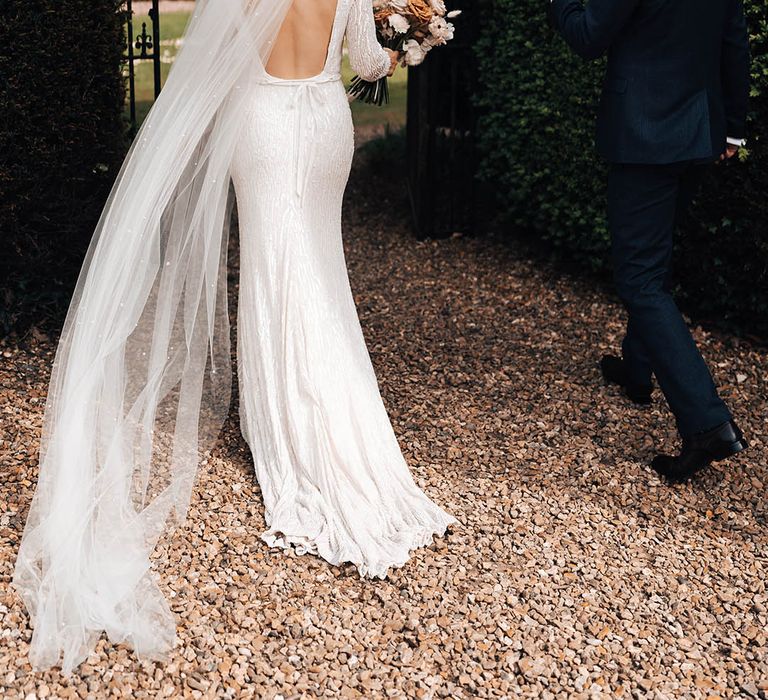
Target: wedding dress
[(331, 472), (141, 382)]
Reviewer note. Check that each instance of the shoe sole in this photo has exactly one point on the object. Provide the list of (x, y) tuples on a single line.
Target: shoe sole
[(733, 449)]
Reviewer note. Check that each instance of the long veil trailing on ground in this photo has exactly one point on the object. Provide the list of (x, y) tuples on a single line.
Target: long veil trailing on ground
[(141, 381)]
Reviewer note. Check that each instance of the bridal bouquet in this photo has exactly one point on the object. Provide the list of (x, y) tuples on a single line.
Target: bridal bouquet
[(411, 27)]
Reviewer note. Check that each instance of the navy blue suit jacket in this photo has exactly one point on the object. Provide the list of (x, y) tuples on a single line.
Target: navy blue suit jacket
[(677, 82)]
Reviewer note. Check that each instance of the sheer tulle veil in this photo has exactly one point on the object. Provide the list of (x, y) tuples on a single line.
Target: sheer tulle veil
[(141, 382)]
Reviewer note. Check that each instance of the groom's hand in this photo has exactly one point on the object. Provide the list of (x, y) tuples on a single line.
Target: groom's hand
[(730, 151)]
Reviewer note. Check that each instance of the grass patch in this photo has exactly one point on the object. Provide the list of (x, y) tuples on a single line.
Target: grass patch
[(393, 113)]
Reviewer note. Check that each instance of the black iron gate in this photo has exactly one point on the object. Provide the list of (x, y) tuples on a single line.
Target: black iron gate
[(440, 134), (143, 46)]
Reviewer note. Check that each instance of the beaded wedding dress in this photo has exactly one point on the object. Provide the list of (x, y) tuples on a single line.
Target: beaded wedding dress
[(330, 469), (141, 382)]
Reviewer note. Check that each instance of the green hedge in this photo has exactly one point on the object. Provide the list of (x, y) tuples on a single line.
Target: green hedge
[(62, 139), (537, 104)]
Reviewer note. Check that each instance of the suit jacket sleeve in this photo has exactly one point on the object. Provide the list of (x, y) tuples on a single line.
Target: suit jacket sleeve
[(590, 30), (735, 69)]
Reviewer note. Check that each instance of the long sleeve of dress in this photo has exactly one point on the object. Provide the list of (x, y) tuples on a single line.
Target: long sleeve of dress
[(369, 60)]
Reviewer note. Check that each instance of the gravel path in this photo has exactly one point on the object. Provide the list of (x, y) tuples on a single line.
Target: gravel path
[(576, 571)]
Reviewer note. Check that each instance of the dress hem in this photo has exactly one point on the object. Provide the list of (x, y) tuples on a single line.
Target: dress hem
[(402, 549)]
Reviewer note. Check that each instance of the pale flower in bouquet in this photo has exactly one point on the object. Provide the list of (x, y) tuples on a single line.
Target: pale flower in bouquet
[(412, 28)]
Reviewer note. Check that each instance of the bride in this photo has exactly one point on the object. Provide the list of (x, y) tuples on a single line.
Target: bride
[(141, 382)]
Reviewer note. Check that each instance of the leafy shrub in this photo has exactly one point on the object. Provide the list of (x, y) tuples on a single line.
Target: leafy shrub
[(537, 104), (62, 139)]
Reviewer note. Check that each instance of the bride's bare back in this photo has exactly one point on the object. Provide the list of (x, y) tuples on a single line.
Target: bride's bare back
[(301, 47)]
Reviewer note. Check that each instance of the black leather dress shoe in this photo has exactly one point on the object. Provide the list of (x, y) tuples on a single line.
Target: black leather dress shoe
[(701, 450), (615, 372)]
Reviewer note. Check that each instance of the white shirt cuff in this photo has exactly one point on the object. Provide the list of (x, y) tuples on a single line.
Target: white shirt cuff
[(736, 142)]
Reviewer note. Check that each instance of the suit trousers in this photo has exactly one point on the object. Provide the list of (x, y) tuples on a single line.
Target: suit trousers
[(645, 203)]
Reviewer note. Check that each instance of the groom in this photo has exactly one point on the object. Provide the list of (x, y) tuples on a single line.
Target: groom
[(674, 101)]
